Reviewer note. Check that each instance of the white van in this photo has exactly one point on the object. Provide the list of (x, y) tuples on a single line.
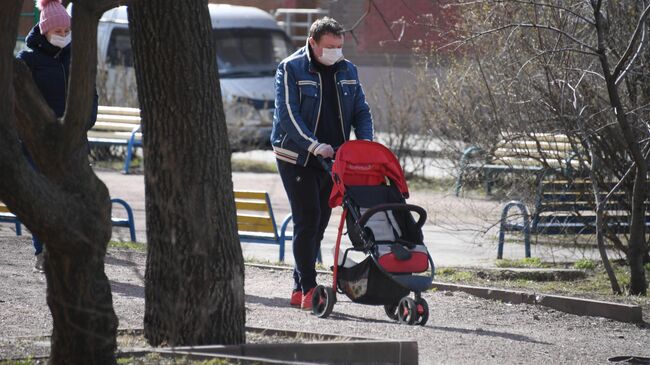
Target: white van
[(250, 44)]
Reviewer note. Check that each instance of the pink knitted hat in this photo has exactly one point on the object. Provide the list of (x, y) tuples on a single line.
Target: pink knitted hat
[(53, 15)]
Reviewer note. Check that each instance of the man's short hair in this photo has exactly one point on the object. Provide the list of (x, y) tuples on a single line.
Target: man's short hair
[(324, 26)]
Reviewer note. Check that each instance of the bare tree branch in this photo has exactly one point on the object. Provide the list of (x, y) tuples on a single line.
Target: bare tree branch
[(529, 2), (356, 24), (638, 32), (527, 25)]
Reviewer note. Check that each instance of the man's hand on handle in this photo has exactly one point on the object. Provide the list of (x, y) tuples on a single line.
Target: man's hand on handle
[(324, 150)]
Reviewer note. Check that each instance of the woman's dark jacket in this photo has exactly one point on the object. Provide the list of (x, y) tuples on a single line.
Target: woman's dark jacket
[(50, 66)]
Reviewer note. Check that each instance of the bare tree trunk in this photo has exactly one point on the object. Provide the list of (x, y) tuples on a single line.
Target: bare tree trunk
[(600, 208), (637, 244), (195, 275), (62, 201)]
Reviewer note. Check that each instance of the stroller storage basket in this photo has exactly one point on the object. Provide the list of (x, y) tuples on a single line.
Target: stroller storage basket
[(365, 283)]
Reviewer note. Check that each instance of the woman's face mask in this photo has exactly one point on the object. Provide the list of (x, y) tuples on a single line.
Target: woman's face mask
[(59, 41)]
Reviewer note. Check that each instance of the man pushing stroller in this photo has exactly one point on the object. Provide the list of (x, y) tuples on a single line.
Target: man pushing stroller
[(319, 100)]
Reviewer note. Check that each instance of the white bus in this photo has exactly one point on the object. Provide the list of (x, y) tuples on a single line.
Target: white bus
[(250, 44)]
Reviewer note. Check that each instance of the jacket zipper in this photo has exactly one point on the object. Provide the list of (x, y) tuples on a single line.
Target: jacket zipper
[(65, 82), (65, 79), (320, 103), (338, 98)]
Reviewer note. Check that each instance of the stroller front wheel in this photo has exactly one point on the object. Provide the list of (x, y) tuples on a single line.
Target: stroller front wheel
[(407, 311), (322, 302)]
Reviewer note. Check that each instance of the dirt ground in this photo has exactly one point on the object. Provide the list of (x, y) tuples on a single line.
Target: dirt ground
[(461, 329)]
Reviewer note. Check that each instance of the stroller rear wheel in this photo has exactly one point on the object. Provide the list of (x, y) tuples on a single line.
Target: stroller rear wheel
[(422, 309), (407, 311), (323, 301), (391, 311)]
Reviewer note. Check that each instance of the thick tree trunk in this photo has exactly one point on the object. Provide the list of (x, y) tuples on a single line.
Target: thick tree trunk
[(78, 291), (62, 201), (194, 292)]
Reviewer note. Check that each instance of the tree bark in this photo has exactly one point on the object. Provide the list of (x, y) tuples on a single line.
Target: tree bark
[(61, 200), (194, 292)]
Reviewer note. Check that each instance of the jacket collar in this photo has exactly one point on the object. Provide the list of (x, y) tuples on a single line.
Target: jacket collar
[(342, 65)]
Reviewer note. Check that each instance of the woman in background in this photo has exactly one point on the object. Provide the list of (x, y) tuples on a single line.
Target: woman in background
[(48, 57)]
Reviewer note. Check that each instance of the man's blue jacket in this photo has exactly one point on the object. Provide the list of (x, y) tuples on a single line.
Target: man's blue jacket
[(298, 99)]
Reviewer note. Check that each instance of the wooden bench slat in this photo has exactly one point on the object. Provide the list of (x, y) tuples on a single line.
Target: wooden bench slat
[(250, 194), (252, 218), (583, 206), (257, 221), (4, 209), (256, 235), (121, 119), (112, 126), (112, 135), (550, 137), (523, 161), (118, 110), (584, 219), (251, 205), (534, 145), (259, 228)]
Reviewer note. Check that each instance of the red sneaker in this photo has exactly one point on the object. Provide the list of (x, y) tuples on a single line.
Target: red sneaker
[(306, 300), (296, 298)]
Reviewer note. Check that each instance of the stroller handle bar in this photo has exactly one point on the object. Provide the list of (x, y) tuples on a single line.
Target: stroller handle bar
[(394, 206), (326, 163)]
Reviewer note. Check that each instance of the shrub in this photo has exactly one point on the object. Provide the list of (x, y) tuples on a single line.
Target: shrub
[(584, 264), (525, 262)]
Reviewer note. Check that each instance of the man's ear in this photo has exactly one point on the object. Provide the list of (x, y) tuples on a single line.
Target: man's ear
[(312, 42)]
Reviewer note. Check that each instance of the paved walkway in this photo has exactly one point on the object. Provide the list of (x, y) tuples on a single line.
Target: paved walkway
[(459, 232)]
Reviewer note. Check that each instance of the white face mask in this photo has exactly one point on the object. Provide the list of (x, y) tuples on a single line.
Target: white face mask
[(58, 41), (331, 56)]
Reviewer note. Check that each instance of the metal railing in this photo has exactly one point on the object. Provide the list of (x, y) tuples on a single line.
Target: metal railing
[(296, 22)]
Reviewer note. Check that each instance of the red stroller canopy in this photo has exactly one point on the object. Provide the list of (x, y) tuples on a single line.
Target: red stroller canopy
[(364, 163)]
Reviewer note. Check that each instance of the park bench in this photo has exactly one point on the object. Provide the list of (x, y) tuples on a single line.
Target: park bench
[(256, 222), (117, 126), (565, 207), (536, 154), (7, 217)]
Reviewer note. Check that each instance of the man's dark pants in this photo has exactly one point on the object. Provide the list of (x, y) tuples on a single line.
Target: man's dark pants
[(308, 190)]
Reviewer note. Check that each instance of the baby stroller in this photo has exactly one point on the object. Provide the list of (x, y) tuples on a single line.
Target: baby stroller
[(370, 186)]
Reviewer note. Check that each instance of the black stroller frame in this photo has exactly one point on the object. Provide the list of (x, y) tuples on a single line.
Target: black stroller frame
[(397, 303)]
